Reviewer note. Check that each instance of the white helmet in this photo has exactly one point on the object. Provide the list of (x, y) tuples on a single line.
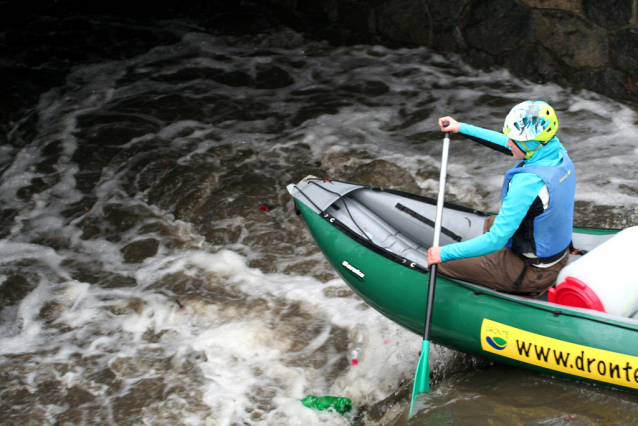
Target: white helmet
[(531, 121)]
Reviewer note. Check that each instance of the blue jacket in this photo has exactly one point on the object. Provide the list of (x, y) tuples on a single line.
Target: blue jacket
[(523, 188)]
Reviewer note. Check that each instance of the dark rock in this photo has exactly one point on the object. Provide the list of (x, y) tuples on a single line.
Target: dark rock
[(232, 78), (572, 5), (576, 42), (623, 51), (609, 13), (383, 174), (369, 88), (355, 15), (448, 37), (497, 26), (533, 62), (404, 20), (372, 3), (272, 77), (446, 11), (608, 82), (6, 221), (137, 251), (15, 288), (479, 59), (542, 40)]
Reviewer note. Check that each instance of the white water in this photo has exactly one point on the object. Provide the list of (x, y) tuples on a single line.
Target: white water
[(236, 316)]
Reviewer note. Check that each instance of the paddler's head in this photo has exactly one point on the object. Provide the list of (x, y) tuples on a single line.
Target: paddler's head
[(530, 125)]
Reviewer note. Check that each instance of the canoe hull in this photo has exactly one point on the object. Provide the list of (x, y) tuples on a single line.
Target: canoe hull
[(537, 336)]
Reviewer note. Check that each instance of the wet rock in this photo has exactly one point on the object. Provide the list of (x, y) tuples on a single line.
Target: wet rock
[(186, 75), (272, 77), (96, 273), (206, 288), (111, 129), (117, 281), (92, 158), (51, 311), (334, 291), (53, 392), (410, 118), (124, 217), (50, 157), (139, 250), (128, 306), (6, 221), (385, 175), (233, 79), (14, 288), (129, 408), (180, 190), (286, 39), (37, 185), (369, 88), (328, 104)]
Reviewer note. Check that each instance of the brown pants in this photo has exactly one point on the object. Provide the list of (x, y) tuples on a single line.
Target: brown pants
[(500, 270)]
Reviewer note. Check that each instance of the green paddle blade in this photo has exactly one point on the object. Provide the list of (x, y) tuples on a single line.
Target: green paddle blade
[(422, 376)]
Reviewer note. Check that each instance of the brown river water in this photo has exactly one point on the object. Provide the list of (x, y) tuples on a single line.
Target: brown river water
[(152, 268)]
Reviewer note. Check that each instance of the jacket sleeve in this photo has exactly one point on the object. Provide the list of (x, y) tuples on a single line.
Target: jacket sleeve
[(489, 138), (524, 188)]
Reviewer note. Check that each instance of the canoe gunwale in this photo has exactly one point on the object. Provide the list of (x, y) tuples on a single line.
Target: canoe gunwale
[(580, 313)]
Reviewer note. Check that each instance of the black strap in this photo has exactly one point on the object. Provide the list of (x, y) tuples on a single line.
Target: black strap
[(427, 221), (520, 278), (538, 260), (528, 261)]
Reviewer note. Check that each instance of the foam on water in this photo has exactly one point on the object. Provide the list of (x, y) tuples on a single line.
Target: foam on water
[(148, 286)]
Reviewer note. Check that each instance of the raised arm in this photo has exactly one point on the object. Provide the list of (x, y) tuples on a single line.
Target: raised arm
[(489, 138)]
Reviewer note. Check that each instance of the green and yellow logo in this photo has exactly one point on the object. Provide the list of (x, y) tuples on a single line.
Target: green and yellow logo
[(496, 342)]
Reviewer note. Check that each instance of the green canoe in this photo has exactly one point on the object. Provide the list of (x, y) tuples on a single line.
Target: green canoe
[(377, 240)]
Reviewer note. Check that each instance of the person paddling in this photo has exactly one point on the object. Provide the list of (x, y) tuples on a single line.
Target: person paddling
[(524, 247)]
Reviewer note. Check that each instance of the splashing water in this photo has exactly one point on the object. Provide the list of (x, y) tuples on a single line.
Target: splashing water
[(153, 271)]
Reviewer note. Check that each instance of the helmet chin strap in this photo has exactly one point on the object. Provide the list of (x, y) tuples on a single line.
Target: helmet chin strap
[(528, 153)]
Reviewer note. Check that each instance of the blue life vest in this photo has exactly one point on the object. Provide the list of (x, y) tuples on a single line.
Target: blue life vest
[(546, 233)]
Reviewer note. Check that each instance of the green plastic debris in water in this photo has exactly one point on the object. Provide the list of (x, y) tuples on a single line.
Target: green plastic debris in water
[(324, 403)]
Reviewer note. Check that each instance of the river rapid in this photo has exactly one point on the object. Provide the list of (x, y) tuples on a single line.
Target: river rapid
[(152, 268)]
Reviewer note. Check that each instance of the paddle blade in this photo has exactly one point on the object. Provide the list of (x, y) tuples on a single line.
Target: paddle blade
[(422, 376)]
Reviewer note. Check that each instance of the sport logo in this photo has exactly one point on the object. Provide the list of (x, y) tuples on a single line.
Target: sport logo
[(572, 359), (496, 342), (352, 269)]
